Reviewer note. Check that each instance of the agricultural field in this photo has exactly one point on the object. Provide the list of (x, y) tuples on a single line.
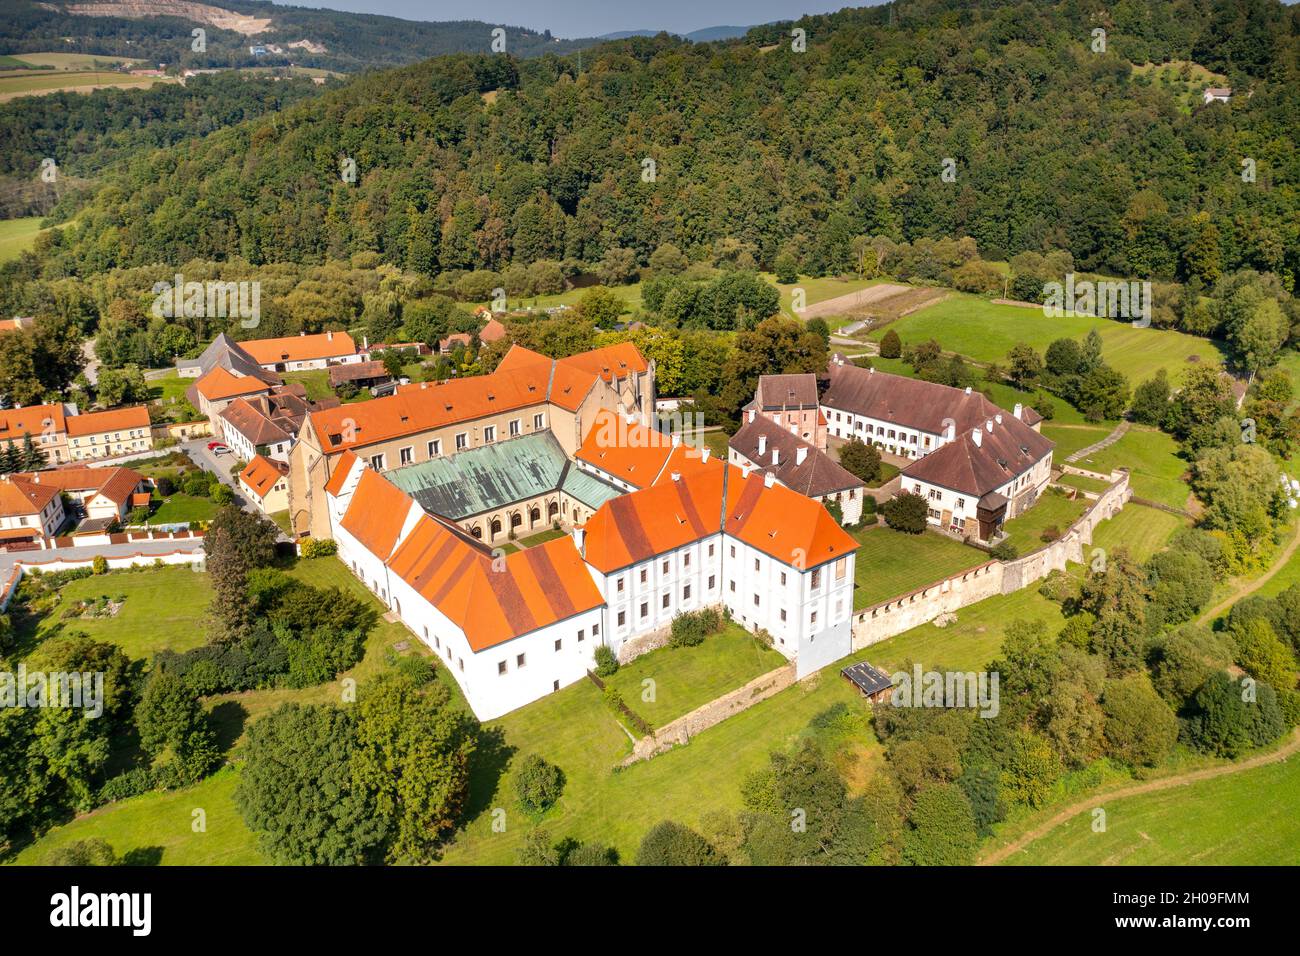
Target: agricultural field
[(893, 562), (986, 331), (16, 83), (1239, 819), (66, 61)]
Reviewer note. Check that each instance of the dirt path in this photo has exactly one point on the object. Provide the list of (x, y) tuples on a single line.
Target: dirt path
[(1152, 786), (1097, 446), (1254, 585)]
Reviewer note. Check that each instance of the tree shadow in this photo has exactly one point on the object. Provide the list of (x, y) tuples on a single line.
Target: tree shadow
[(489, 761), (143, 856), (227, 720)]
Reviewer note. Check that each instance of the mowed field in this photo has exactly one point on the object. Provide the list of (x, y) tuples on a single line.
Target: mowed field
[(1239, 819), (986, 332)]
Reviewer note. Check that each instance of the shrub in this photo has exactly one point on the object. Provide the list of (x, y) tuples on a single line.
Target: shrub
[(92, 852), (166, 485), (1141, 729), (671, 844), (1005, 551), (318, 547), (906, 512), (690, 628), (606, 661), (99, 565), (891, 346), (1050, 533), (130, 784), (538, 784)]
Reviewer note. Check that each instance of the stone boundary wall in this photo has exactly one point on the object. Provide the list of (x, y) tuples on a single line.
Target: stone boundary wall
[(680, 731), (889, 618)]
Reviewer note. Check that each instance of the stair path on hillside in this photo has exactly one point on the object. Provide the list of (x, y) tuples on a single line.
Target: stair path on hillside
[(1106, 442)]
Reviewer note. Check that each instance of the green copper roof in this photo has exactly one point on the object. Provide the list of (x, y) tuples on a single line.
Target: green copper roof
[(483, 479)]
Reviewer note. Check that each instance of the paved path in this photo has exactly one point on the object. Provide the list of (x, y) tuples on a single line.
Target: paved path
[(220, 466), (1152, 786), (1254, 585), (1097, 446)]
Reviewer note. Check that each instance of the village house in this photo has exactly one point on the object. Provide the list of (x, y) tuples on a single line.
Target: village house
[(96, 494), (108, 434), (29, 510), (46, 425), (265, 482), (303, 352), (1216, 94)]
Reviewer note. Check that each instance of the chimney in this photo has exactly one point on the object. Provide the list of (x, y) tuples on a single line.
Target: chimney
[(301, 333), (578, 536), (762, 445), (752, 413), (949, 431), (676, 439), (704, 453), (872, 370), (800, 454), (978, 436), (967, 389), (988, 425), (776, 456), (677, 476), (998, 418), (1018, 410), (746, 468), (329, 336), (769, 480)]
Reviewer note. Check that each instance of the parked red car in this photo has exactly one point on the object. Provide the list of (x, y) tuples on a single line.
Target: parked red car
[(218, 447)]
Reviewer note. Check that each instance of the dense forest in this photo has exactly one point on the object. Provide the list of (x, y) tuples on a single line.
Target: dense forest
[(657, 140), (352, 41)]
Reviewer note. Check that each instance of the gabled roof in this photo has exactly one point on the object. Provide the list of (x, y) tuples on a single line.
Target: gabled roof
[(31, 420), (116, 484), (115, 419), (19, 498), (1005, 450), (356, 371), (910, 402), (252, 423), (300, 348), (610, 362), (376, 514), (219, 384), (225, 352), (536, 588), (781, 523), (342, 468), (787, 391), (262, 474), (621, 446), (815, 476), (493, 331)]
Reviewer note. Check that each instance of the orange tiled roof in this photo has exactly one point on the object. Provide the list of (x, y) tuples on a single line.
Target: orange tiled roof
[(537, 587), (612, 361), (493, 331), (115, 419), (342, 468), (116, 484), (300, 348), (782, 523), (19, 498), (376, 514), (629, 451), (655, 520), (262, 474), (685, 461), (219, 384), (15, 422)]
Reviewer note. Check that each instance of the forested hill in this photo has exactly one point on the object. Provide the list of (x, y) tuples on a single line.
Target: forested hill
[(476, 161), (160, 31)]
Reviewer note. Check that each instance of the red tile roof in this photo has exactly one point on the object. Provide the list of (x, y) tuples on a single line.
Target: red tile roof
[(342, 468), (116, 484), (219, 384), (262, 474), (250, 422), (376, 514), (1005, 451), (300, 348), (31, 419), (115, 419), (19, 498)]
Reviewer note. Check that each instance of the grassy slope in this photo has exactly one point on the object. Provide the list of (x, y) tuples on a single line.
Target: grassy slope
[(17, 236), (1244, 819), (1156, 471), (891, 562)]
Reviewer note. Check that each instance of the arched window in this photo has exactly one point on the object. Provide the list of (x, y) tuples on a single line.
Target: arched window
[(516, 519), (496, 527), (552, 510), (534, 515), (477, 532)]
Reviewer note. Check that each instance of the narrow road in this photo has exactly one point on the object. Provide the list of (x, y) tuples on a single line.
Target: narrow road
[(1152, 786), (1254, 585), (1097, 446)]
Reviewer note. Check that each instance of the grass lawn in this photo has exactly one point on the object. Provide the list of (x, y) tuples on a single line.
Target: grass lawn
[(1052, 510), (1241, 819), (17, 236), (74, 61), (316, 381), (182, 507), (1142, 530), (1083, 483), (630, 294), (683, 678), (1152, 459), (550, 534), (165, 608), (1072, 438), (281, 519), (986, 332), (160, 825), (169, 388), (816, 289), (892, 562)]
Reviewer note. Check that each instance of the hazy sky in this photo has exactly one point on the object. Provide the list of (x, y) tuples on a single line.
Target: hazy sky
[(583, 18)]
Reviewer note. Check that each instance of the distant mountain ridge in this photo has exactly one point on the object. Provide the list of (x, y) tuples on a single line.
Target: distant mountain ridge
[(705, 35)]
